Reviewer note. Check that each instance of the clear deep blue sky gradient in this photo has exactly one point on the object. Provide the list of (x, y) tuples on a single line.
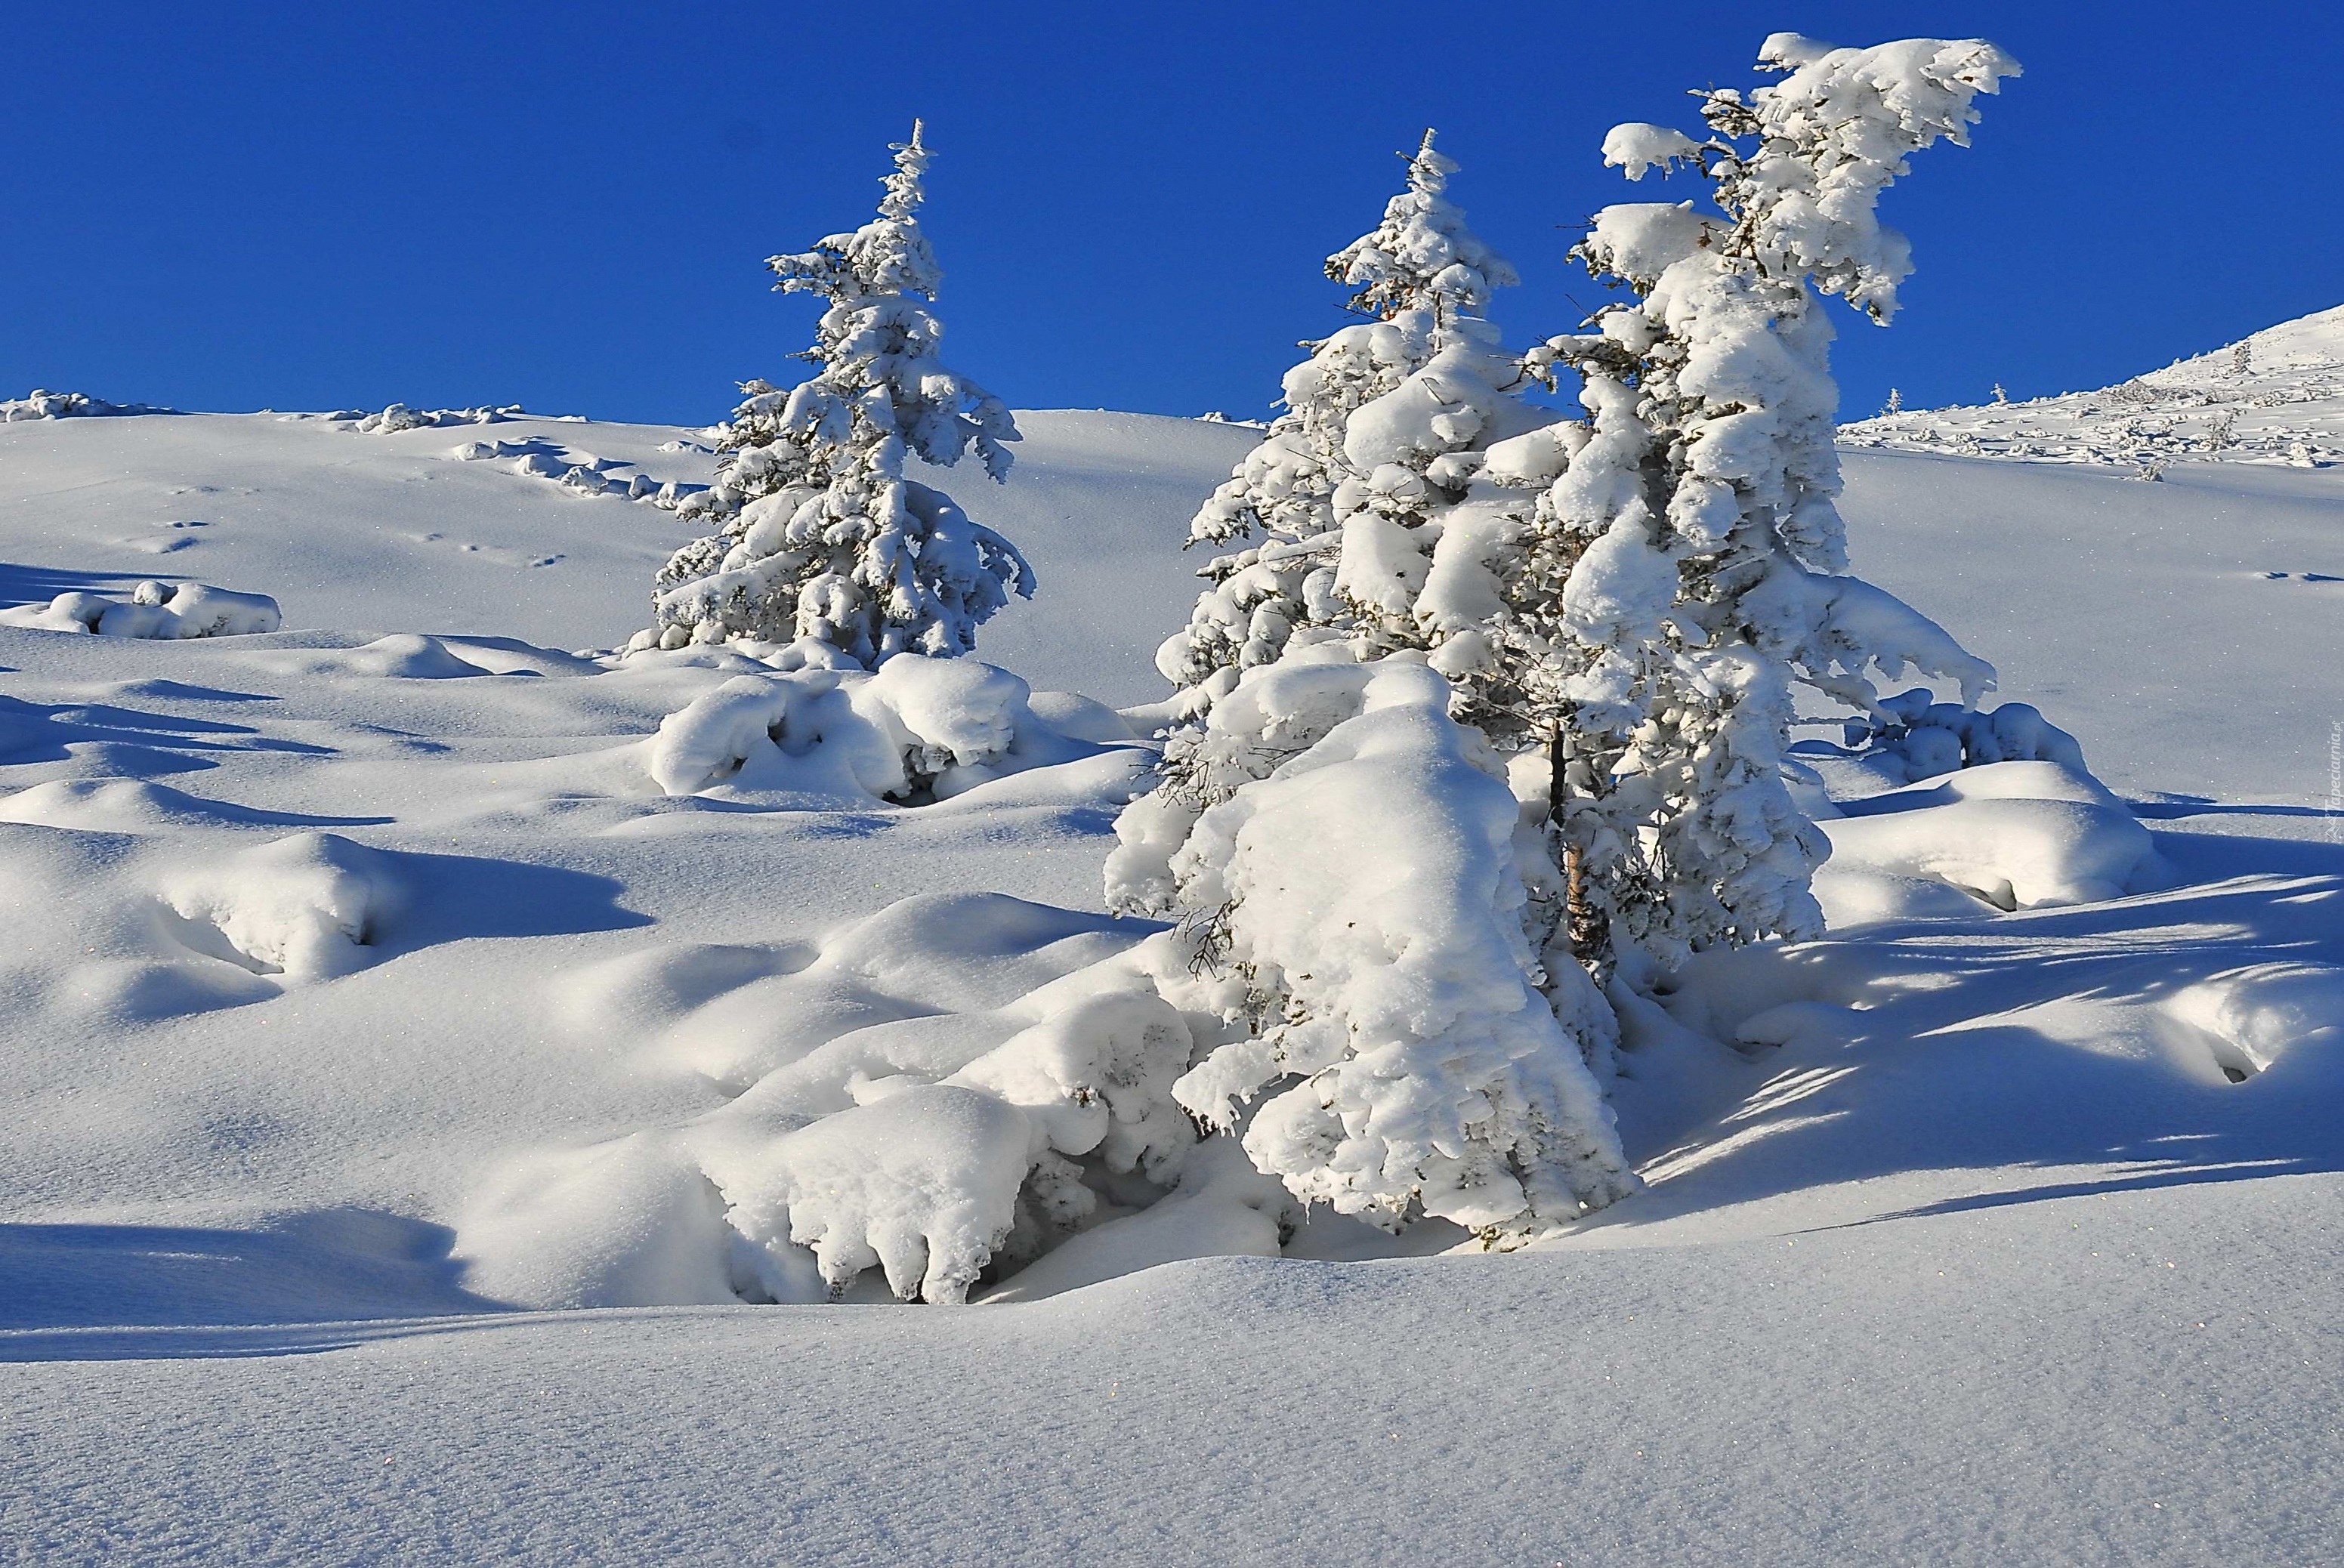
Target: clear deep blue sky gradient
[(304, 206)]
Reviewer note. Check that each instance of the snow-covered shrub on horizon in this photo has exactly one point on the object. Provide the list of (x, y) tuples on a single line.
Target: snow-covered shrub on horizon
[(1710, 563), (43, 404), (398, 417), (821, 534), (154, 610), (1414, 1050)]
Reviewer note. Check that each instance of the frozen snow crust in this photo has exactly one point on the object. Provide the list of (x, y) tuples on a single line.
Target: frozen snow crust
[(415, 974)]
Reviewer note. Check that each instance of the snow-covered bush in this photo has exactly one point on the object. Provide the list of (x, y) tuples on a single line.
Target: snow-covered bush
[(1923, 737), (922, 1137), (1709, 554), (155, 610), (1363, 894), (919, 729), (399, 416), (821, 534)]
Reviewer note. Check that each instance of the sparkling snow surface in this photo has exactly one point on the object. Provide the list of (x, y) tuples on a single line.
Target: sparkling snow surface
[(1972, 1236)]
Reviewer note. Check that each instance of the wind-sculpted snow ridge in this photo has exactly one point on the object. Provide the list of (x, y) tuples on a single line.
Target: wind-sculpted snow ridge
[(2274, 397)]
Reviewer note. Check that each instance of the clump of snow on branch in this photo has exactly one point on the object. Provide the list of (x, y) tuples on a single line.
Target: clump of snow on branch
[(820, 534), (154, 610)]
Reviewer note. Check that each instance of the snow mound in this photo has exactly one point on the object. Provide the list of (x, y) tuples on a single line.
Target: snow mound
[(2248, 1021), (2019, 835), (135, 805), (155, 610), (306, 907), (951, 1087)]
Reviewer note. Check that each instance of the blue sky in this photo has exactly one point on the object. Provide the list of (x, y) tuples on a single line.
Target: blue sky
[(331, 206)]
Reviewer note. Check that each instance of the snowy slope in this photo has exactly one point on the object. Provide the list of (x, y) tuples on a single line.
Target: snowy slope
[(1972, 1235), (2274, 397), (390, 531)]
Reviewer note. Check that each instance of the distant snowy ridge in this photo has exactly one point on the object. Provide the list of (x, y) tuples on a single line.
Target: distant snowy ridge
[(2274, 397)]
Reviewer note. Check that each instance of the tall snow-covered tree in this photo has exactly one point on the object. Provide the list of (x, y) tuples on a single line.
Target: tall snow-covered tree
[(821, 538), (1697, 555), (1343, 856), (1421, 370)]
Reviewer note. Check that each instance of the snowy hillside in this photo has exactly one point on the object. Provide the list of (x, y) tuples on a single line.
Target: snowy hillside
[(341, 526), (2274, 397), (384, 1005)]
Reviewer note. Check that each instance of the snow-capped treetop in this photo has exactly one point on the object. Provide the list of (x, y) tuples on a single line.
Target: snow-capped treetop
[(889, 255), (1421, 253), (1830, 137), (875, 336)]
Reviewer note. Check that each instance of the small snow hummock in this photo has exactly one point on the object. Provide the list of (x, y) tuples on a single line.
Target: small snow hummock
[(155, 610), (308, 908)]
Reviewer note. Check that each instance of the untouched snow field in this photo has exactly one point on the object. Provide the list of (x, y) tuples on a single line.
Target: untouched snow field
[(353, 976)]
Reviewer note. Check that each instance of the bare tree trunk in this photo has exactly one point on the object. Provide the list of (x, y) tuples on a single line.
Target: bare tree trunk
[(1578, 915)]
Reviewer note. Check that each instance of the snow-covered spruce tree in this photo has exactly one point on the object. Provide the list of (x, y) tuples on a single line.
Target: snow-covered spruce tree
[(1424, 363), (1706, 558), (821, 540), (1359, 901)]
